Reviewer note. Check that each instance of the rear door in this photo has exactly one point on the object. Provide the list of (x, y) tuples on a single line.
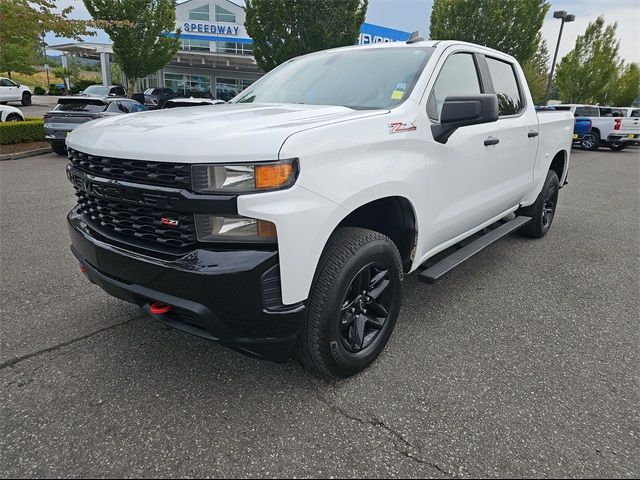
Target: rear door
[(517, 131)]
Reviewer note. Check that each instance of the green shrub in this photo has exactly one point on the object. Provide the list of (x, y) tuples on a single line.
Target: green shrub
[(81, 85), (22, 132), (38, 90)]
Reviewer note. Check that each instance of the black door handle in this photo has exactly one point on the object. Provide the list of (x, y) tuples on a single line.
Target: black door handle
[(532, 134), (491, 141)]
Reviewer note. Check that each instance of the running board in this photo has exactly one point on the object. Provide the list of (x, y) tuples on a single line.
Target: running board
[(434, 272)]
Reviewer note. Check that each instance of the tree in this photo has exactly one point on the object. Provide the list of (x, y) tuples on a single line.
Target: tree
[(536, 71), (586, 73), (23, 24), (626, 88), (71, 72), (138, 30), (511, 26), (283, 29)]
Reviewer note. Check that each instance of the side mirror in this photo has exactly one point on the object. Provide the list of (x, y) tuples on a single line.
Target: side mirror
[(462, 111)]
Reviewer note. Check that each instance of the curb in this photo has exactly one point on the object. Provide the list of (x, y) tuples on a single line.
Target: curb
[(28, 153)]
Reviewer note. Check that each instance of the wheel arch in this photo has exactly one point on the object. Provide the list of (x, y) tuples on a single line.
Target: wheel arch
[(393, 216), (559, 165)]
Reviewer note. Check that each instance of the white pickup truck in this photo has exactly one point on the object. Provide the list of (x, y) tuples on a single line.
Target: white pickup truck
[(286, 220), (610, 126), (11, 91)]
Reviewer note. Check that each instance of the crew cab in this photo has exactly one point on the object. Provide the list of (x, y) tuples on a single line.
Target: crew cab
[(609, 126), (11, 91), (287, 219)]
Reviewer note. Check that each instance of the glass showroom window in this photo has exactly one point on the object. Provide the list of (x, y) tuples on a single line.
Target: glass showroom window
[(223, 15), (195, 45), (234, 48), (227, 88), (200, 13), (189, 85)]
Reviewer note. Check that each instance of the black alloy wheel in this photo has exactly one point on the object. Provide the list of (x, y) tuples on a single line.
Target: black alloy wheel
[(365, 308)]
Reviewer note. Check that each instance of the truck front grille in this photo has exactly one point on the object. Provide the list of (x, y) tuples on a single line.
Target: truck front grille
[(176, 175), (138, 222)]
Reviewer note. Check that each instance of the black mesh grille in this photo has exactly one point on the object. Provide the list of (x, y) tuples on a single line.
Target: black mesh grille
[(176, 175), (135, 221)]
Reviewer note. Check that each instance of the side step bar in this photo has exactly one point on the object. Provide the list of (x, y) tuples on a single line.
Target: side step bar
[(434, 272)]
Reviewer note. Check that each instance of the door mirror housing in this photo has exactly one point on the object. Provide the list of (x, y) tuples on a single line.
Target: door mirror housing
[(462, 111)]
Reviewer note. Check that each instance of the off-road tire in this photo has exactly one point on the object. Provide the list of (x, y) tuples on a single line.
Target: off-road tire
[(347, 252)]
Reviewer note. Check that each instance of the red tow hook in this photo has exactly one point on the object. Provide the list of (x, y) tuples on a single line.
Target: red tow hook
[(83, 269), (158, 308)]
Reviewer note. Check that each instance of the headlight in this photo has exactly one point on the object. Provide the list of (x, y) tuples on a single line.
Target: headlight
[(244, 178), (234, 228)]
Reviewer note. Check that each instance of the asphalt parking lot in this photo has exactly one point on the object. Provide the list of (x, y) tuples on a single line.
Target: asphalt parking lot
[(40, 104), (522, 362)]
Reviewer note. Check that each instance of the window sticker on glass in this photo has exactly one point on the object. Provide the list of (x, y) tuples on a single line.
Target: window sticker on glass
[(398, 93)]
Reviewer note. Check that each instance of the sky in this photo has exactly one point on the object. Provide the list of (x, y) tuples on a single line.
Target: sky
[(411, 15)]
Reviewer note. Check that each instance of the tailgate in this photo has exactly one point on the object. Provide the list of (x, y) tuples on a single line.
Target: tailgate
[(630, 125)]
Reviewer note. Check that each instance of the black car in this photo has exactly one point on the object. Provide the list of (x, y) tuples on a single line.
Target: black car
[(156, 97)]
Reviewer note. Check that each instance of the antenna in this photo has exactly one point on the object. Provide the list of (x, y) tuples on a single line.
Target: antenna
[(415, 38)]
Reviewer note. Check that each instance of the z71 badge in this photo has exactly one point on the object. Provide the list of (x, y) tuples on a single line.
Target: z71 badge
[(398, 127)]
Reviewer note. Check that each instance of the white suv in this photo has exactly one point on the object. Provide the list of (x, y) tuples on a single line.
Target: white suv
[(11, 91)]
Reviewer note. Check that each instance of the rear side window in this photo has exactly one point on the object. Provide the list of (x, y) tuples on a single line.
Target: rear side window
[(581, 112), (635, 113), (458, 76), (118, 91), (594, 112), (505, 84)]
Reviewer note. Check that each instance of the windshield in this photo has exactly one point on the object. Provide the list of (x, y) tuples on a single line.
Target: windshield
[(99, 90), (376, 78)]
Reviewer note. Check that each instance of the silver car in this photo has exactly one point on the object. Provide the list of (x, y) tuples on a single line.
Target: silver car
[(70, 112)]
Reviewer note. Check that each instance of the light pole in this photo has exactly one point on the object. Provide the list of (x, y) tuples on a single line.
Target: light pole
[(565, 17)]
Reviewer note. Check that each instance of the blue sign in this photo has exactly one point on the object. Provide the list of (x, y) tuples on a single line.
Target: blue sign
[(370, 33)]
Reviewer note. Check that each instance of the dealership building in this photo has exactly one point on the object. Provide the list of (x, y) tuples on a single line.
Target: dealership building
[(215, 52)]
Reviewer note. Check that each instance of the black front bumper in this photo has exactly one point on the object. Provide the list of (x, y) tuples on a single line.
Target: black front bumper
[(229, 296)]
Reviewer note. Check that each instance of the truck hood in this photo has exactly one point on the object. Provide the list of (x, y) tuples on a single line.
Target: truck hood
[(216, 134)]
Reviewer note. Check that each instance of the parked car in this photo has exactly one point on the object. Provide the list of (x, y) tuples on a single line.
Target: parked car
[(190, 102), (10, 114), (155, 98), (11, 91), (608, 127), (104, 91), (287, 219), (70, 112)]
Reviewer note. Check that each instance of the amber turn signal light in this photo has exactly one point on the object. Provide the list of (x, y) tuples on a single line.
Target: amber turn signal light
[(273, 176)]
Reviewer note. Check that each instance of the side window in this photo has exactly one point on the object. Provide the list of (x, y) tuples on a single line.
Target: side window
[(113, 107), (119, 91), (124, 107), (505, 84), (594, 112), (581, 112), (5, 82), (458, 76)]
